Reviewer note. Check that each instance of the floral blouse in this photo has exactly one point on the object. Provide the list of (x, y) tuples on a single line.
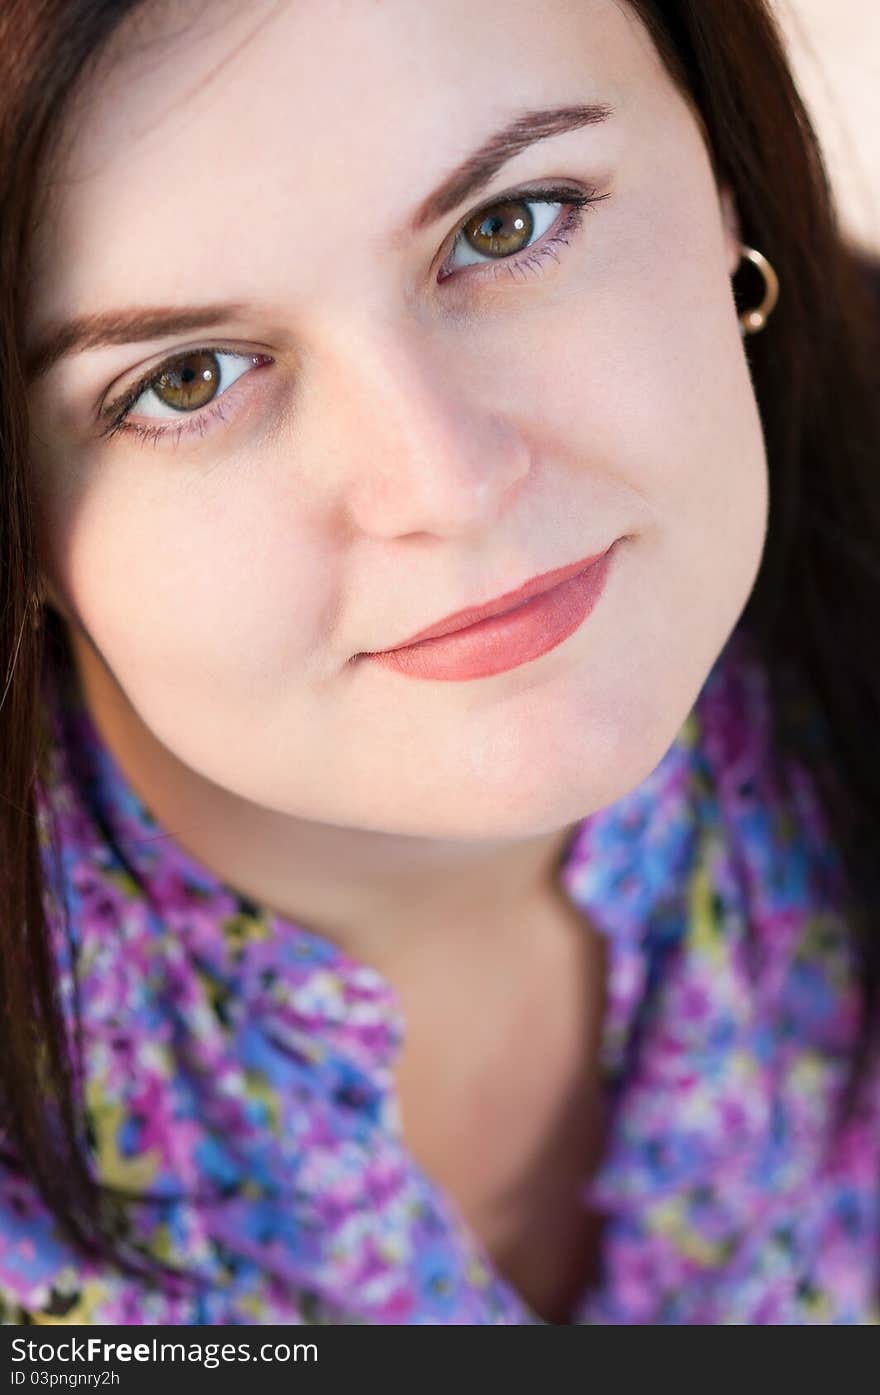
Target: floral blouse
[(236, 1067)]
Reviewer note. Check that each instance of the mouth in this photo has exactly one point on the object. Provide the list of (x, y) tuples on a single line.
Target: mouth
[(510, 600), (507, 631)]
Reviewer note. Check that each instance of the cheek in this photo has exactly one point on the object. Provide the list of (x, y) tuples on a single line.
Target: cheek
[(210, 580), (642, 411), (644, 379)]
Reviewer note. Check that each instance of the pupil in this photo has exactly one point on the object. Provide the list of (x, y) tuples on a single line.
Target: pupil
[(492, 226), (191, 382), (505, 230)]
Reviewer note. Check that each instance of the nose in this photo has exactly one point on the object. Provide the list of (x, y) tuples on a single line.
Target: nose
[(419, 449)]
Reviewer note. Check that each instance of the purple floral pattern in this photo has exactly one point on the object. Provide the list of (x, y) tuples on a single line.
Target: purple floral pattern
[(237, 1068)]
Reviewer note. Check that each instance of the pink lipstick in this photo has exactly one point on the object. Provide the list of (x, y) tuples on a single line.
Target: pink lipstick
[(480, 641)]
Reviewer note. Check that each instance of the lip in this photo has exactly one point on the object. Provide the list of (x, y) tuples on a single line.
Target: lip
[(503, 633), (472, 614)]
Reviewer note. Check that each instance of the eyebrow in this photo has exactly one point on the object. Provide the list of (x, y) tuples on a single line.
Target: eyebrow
[(98, 331), (524, 130), (123, 327)]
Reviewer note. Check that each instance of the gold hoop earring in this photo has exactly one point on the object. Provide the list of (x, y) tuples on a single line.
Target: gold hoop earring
[(753, 321)]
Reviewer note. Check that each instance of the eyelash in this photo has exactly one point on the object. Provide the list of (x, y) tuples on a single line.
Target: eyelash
[(575, 202)]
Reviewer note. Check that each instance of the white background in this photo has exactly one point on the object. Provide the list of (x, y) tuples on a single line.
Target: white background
[(835, 49)]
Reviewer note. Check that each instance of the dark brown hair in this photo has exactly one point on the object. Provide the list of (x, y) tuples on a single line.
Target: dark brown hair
[(813, 610)]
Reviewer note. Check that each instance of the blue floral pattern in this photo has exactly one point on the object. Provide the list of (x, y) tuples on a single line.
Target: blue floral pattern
[(236, 1068)]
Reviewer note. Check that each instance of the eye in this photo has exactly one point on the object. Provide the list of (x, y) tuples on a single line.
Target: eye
[(186, 388), (189, 381), (511, 235)]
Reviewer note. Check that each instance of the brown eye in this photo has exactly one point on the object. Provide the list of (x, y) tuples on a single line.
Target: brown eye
[(189, 382), (505, 229)]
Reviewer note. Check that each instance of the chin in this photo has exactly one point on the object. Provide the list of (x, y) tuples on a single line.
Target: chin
[(517, 788)]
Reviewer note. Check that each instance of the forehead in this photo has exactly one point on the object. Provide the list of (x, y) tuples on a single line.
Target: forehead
[(294, 124)]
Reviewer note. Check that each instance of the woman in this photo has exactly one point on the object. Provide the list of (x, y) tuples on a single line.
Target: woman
[(368, 958)]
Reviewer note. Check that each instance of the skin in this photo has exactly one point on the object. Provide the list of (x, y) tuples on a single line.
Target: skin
[(416, 445)]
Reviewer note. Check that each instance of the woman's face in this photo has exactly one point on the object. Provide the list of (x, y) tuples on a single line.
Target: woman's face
[(375, 424)]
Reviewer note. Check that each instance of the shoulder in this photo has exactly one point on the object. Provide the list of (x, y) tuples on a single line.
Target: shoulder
[(727, 1157), (39, 1278), (44, 1280)]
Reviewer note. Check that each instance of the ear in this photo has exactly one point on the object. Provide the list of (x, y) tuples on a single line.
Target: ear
[(730, 219)]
